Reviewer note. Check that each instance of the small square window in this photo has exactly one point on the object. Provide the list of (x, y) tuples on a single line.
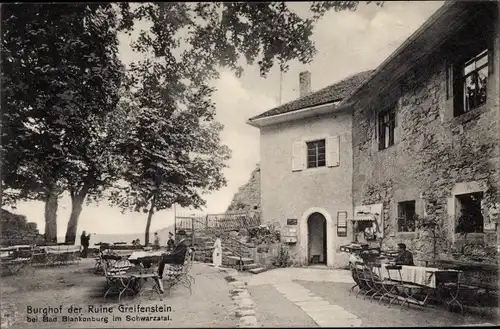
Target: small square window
[(406, 216), (469, 216), (386, 127), (316, 154)]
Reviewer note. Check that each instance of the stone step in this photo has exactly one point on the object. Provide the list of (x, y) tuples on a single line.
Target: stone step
[(257, 270), (250, 266), (236, 260)]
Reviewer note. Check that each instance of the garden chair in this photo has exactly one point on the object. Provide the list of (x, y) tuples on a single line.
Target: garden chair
[(174, 274), (382, 287), (458, 292), (404, 291), (363, 276), (354, 274), (118, 279)]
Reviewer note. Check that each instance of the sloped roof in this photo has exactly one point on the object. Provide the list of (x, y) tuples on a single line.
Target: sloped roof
[(332, 93)]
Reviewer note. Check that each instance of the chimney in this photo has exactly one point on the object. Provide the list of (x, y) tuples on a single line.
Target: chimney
[(305, 83)]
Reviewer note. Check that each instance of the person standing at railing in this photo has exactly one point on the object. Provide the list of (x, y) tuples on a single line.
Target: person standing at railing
[(217, 253), (156, 244), (84, 241)]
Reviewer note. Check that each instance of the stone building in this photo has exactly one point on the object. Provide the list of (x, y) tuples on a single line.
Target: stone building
[(426, 135), (306, 169)]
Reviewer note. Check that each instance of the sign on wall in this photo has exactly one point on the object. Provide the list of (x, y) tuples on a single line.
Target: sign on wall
[(342, 223), (293, 221)]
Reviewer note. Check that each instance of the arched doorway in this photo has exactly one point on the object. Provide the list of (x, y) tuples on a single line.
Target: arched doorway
[(316, 238)]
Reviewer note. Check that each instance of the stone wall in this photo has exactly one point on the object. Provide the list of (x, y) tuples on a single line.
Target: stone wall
[(435, 156), (233, 243), (265, 255), (16, 230)]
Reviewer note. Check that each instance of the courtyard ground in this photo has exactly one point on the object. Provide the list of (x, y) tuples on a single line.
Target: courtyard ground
[(307, 297), (290, 297), (209, 305)]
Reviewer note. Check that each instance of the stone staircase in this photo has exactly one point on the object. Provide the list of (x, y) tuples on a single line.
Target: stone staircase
[(235, 254)]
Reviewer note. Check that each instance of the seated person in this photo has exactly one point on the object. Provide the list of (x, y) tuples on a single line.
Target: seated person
[(404, 256), (170, 242), (177, 256)]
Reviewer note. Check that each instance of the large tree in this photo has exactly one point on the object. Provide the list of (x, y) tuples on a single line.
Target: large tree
[(60, 78), (174, 144)]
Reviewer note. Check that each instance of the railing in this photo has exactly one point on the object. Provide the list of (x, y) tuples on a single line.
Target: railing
[(219, 223), (225, 222)]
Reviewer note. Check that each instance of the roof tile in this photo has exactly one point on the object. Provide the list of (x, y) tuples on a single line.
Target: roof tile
[(332, 93)]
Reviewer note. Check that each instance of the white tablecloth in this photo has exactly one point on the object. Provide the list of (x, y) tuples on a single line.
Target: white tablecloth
[(12, 248), (143, 254), (424, 276), (60, 249)]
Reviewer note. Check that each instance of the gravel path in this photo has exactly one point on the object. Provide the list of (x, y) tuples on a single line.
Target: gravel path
[(209, 305)]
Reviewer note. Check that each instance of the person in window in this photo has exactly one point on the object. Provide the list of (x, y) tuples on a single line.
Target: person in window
[(404, 256), (85, 241), (370, 231)]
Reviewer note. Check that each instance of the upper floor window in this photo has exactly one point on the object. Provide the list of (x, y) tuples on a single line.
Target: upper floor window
[(470, 81), (386, 126), (316, 154)]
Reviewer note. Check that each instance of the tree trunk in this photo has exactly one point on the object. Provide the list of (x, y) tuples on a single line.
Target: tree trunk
[(51, 216), (76, 209), (148, 223)]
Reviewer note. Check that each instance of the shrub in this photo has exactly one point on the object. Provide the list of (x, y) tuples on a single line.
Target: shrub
[(263, 234), (283, 259)]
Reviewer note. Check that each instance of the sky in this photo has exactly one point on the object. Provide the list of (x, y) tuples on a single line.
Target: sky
[(347, 43)]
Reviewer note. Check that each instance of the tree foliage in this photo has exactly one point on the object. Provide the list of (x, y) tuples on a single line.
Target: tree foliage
[(62, 128), (61, 76)]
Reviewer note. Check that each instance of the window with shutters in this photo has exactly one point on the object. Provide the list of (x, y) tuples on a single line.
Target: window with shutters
[(316, 154), (386, 126)]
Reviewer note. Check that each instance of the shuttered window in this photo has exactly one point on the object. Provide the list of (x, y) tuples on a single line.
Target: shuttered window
[(298, 152), (333, 151), (316, 154)]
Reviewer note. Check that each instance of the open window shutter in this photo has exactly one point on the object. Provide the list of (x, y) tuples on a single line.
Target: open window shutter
[(333, 151), (298, 154)]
